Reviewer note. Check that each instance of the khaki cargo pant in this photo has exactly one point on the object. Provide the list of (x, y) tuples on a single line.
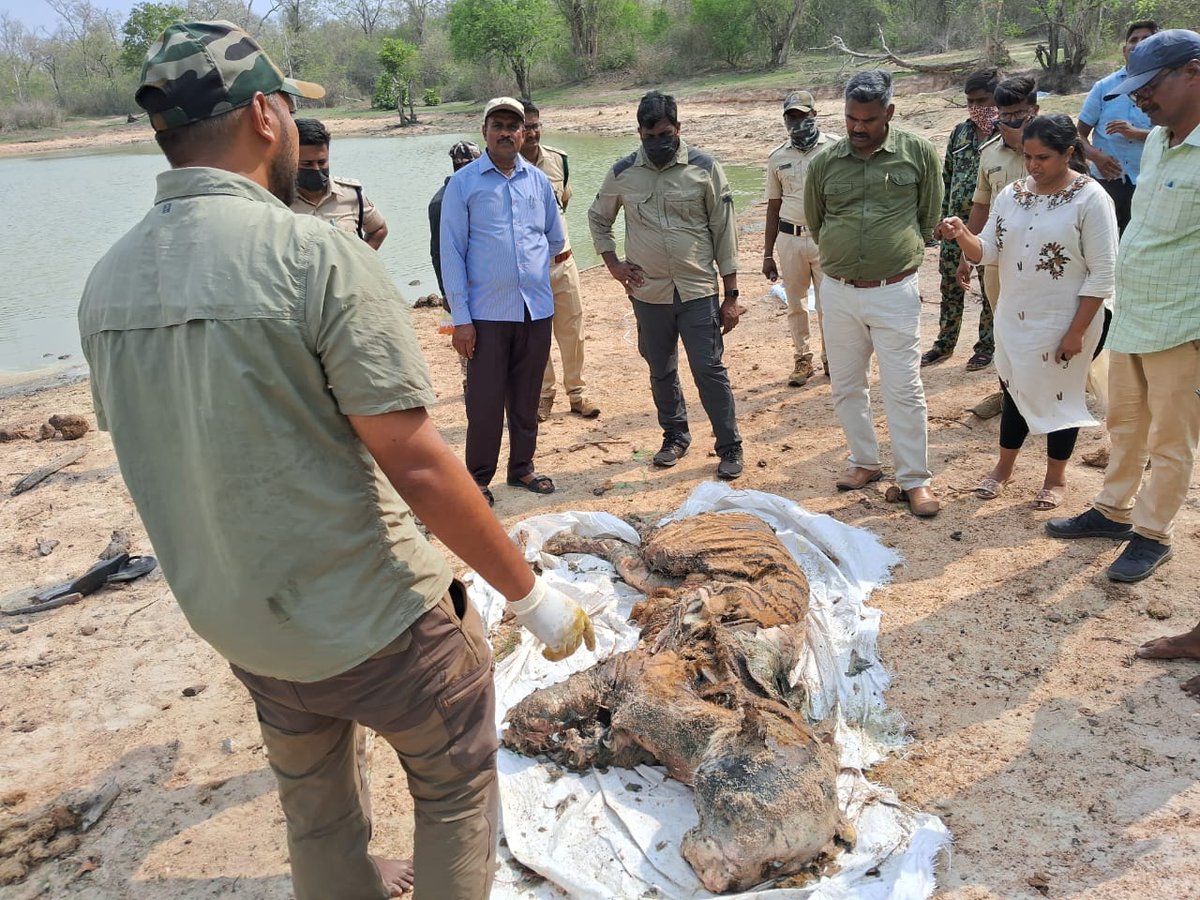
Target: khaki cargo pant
[(430, 695), (568, 330)]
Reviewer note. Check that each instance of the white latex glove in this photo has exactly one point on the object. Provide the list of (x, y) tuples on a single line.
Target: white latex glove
[(554, 619)]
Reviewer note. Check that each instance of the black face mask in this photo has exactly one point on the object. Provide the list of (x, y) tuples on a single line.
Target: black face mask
[(312, 180), (661, 150)]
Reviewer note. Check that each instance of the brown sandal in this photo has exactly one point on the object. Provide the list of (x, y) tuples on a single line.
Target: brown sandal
[(1047, 498)]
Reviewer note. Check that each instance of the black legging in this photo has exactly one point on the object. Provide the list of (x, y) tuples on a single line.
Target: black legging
[(1014, 429)]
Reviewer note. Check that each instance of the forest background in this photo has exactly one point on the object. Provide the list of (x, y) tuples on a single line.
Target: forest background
[(407, 54)]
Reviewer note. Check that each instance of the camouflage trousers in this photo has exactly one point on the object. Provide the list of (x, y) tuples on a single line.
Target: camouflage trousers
[(953, 301)]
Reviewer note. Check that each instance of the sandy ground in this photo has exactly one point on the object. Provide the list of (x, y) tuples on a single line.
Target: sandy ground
[(1064, 767)]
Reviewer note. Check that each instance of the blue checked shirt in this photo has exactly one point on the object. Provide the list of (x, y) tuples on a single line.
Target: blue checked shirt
[(498, 237)]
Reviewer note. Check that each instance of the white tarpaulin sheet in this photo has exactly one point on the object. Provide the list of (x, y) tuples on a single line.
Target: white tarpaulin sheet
[(617, 834)]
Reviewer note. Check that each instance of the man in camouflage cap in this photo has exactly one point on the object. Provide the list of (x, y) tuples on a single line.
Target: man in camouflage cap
[(278, 477)]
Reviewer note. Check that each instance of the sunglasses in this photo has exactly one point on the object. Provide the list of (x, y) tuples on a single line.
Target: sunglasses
[(1146, 91), (1015, 123)]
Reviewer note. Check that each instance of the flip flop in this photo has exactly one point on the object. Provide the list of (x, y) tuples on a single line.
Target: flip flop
[(488, 496), (135, 567), (89, 582), (1047, 499), (989, 488), (538, 484)]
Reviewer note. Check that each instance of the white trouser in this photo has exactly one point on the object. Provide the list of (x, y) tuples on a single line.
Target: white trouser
[(887, 321)]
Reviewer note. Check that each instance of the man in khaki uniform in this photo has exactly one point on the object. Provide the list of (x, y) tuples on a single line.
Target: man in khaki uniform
[(339, 201), (281, 473), (799, 258), (564, 279), (680, 232)]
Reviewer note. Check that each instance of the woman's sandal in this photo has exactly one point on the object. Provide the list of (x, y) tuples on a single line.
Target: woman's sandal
[(538, 484), (1047, 498), (989, 489)]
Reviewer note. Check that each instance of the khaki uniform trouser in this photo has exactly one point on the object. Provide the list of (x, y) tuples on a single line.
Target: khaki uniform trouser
[(568, 330), (800, 266), (991, 285), (430, 695), (1153, 414)]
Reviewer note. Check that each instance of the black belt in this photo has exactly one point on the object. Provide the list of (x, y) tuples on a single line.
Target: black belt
[(789, 228)]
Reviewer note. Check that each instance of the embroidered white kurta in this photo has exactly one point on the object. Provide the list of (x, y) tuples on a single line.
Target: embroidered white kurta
[(1052, 249)]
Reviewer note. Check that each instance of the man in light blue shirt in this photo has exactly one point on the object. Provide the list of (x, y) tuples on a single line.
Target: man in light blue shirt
[(1114, 131), (500, 229)]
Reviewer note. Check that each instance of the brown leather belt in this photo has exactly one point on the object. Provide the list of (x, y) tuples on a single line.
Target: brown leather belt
[(866, 283), (562, 257), (790, 228)]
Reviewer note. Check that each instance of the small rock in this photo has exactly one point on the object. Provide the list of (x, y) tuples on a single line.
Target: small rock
[(12, 798), (1040, 882), (1160, 609), (956, 535), (227, 745), (1097, 459), (71, 427), (13, 434), (46, 433), (119, 543), (17, 629), (603, 489), (45, 548), (893, 494), (194, 690), (762, 463), (88, 629)]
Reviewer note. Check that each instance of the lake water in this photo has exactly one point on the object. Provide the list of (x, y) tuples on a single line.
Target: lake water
[(65, 211)]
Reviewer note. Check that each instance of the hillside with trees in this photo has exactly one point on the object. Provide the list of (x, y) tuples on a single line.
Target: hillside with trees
[(403, 54)]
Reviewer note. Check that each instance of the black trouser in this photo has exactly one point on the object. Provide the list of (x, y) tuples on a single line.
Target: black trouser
[(1121, 190), (505, 378), (698, 323), (1014, 429)]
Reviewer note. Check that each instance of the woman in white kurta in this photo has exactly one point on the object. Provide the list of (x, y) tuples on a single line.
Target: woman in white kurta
[(1054, 236)]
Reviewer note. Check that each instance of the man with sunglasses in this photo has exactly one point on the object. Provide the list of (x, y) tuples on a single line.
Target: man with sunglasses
[(1154, 340), (1120, 129)]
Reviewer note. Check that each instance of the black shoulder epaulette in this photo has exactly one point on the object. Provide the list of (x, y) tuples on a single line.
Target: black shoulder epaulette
[(624, 163), (700, 158)]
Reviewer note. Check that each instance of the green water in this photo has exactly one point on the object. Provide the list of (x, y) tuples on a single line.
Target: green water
[(66, 210)]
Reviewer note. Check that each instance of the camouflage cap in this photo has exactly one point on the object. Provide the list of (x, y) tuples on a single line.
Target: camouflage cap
[(197, 70), (801, 100), (465, 150)]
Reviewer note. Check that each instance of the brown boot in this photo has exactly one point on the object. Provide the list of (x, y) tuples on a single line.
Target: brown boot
[(802, 372), (581, 406), (544, 406)]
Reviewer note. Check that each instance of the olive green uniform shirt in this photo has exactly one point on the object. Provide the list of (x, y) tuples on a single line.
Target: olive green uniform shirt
[(228, 340), (871, 217), (553, 164), (339, 207), (679, 221)]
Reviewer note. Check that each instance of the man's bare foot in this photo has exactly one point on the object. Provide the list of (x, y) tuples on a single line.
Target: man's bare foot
[(397, 874), (1181, 646), (1191, 687)]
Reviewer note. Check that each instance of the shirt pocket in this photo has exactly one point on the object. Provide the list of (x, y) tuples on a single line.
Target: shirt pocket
[(643, 207), (685, 207), (1180, 202)]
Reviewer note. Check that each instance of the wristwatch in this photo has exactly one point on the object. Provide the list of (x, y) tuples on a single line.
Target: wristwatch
[(732, 295)]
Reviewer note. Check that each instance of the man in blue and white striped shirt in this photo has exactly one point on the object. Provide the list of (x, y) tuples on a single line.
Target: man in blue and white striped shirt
[(500, 229)]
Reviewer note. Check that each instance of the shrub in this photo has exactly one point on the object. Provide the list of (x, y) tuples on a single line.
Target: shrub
[(30, 114), (431, 97)]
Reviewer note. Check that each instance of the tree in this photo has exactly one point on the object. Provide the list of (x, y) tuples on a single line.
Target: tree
[(19, 53), (514, 31), (145, 23), (401, 62), (728, 26), (1072, 29), (777, 20)]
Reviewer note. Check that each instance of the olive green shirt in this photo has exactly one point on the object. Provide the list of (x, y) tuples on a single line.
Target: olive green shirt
[(228, 340), (871, 217), (679, 222)]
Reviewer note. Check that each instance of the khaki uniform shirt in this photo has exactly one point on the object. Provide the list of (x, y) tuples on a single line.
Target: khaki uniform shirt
[(871, 217), (679, 221), (228, 340), (786, 167), (552, 163), (999, 166), (339, 207)]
